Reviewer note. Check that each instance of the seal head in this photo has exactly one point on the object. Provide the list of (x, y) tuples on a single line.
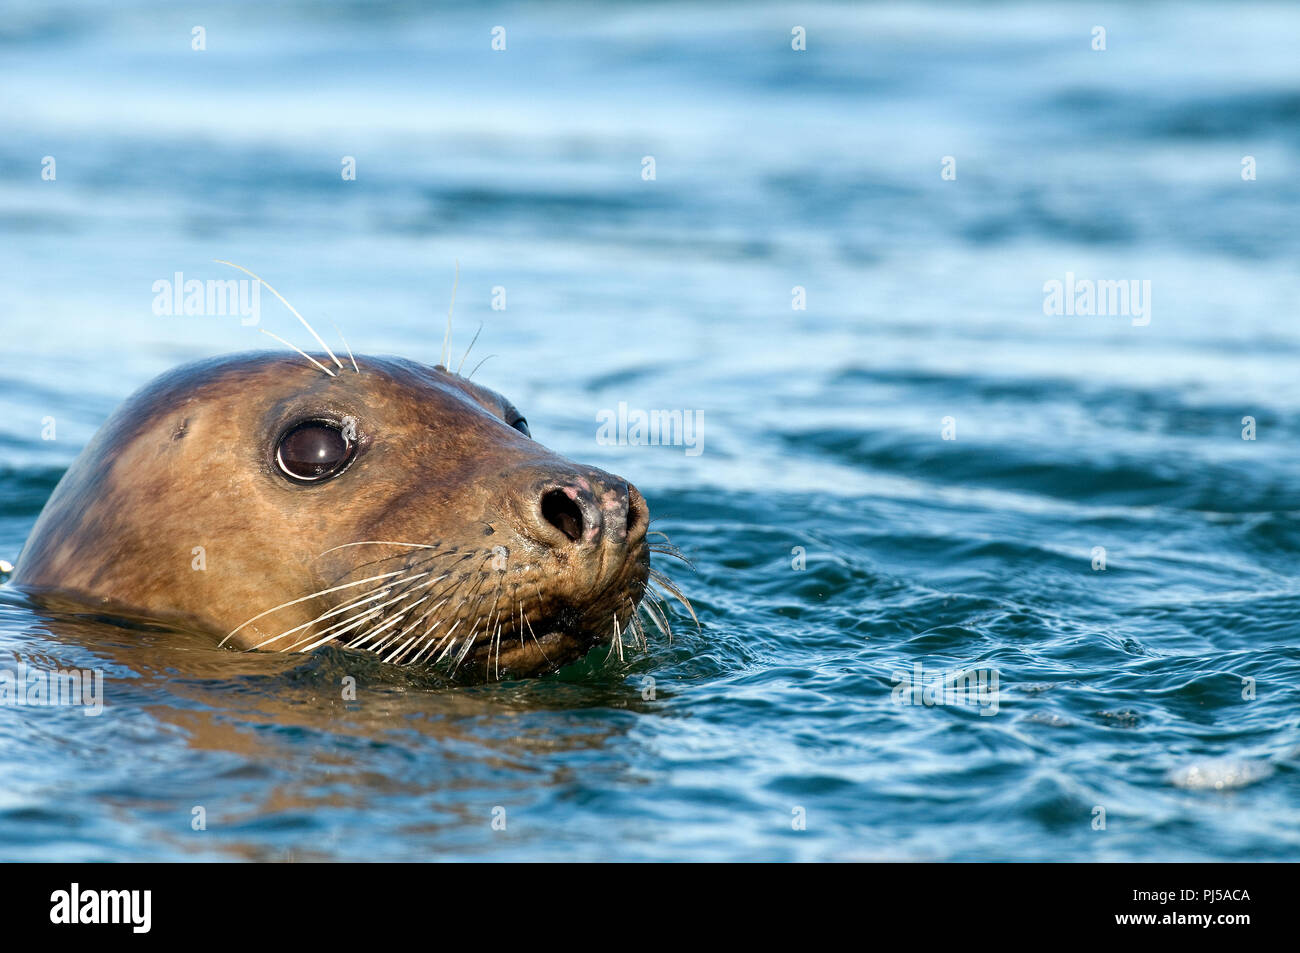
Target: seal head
[(401, 510)]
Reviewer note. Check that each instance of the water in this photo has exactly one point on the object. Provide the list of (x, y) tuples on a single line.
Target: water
[(1119, 689)]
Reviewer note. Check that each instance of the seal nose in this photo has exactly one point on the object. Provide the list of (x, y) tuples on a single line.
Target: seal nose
[(587, 512)]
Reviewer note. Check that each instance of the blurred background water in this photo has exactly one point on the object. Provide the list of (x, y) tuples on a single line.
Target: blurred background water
[(1125, 689)]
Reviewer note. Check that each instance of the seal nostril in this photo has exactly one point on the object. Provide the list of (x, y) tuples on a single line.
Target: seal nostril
[(563, 513)]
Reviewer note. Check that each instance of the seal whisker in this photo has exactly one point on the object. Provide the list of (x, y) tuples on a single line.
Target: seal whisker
[(365, 566), (618, 638), (375, 542), (400, 630), (428, 643), (396, 653), (414, 624), (470, 348), (478, 365), (294, 602), (492, 636), (403, 594), (329, 635), (393, 621), (431, 642), (376, 631), (298, 349), (334, 632), (661, 600), (655, 609), (444, 641), (292, 309), (667, 548), (320, 618), (669, 586), (520, 606), (496, 616), (464, 649), (401, 636), (634, 626), (534, 635), (673, 553), (469, 639), (351, 356), (436, 622), (445, 568), (379, 593), (373, 609), (498, 661), (446, 339), (365, 635)]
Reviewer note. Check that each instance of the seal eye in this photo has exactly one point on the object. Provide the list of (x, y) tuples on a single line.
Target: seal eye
[(313, 451), (522, 426)]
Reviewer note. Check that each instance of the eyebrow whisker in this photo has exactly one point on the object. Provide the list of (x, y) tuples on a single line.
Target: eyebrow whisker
[(351, 356), (284, 301), (470, 348), (478, 365), (299, 350), (446, 338)]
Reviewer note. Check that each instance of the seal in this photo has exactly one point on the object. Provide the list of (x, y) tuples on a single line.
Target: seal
[(401, 510)]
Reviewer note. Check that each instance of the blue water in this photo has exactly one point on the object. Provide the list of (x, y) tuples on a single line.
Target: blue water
[(1125, 690)]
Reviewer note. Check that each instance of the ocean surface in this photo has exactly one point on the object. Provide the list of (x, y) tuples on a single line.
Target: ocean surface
[(1097, 540)]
